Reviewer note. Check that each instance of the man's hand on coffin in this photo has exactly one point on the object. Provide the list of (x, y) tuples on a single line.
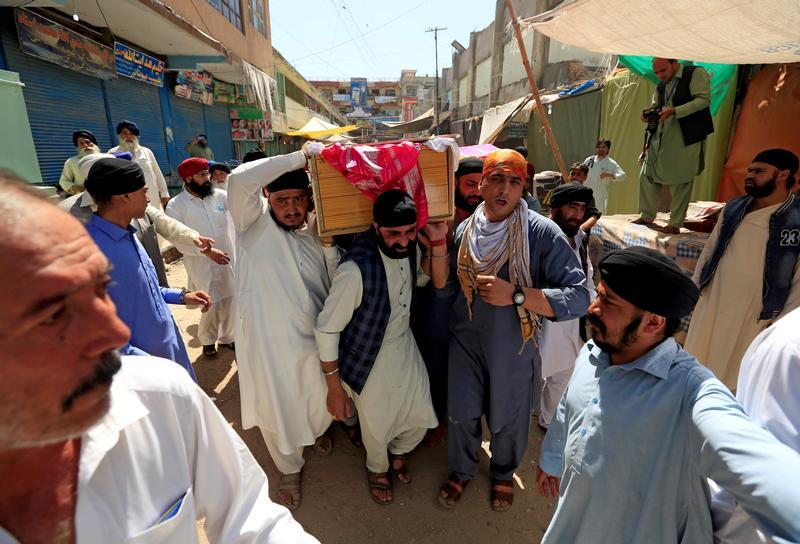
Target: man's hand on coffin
[(312, 148), (495, 291), (434, 231)]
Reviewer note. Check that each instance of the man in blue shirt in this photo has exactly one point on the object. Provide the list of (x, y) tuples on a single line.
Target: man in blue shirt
[(642, 425), (118, 187)]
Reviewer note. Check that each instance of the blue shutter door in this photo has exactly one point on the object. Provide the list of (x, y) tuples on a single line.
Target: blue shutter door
[(187, 122), (140, 103), (59, 102), (218, 130)]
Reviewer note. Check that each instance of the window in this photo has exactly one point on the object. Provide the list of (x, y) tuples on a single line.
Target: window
[(257, 16), (411, 90), (390, 92), (230, 9), (374, 92)]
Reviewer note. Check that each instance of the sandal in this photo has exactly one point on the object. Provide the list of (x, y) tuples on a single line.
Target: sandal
[(401, 472), (434, 436), (354, 434), (210, 350), (290, 494), (231, 346), (451, 491), (323, 446), (379, 481), (502, 492)]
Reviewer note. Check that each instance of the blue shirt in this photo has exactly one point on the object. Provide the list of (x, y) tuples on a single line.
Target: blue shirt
[(141, 303), (634, 444)]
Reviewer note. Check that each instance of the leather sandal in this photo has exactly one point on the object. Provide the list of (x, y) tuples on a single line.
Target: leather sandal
[(451, 491)]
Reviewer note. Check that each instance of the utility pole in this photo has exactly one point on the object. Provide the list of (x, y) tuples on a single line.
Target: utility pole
[(435, 31)]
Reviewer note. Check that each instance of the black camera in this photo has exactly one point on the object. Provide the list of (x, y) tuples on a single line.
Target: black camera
[(651, 116)]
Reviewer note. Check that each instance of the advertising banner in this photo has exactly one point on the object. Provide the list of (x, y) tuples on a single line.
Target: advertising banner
[(40, 37), (224, 92), (197, 86), (249, 123), (136, 65), (358, 92)]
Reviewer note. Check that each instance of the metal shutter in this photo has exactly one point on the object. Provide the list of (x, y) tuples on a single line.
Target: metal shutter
[(218, 130), (187, 122), (59, 102), (140, 103)]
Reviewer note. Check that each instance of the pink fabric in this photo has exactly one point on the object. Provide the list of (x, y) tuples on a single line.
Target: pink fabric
[(375, 169)]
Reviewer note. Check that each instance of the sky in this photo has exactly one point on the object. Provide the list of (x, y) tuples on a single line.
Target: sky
[(340, 39)]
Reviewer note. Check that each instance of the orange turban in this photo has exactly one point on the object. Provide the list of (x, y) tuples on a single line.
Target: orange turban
[(508, 160)]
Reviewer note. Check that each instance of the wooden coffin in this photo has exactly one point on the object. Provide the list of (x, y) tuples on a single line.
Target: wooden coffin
[(342, 209)]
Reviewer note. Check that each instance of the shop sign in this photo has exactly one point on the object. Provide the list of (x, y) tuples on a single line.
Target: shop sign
[(197, 86), (136, 65), (224, 92), (249, 123)]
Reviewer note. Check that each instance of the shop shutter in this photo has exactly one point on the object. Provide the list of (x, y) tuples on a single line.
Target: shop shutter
[(187, 122), (218, 130), (140, 103), (59, 102)]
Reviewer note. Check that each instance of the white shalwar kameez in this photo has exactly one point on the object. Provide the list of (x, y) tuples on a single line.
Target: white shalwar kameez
[(559, 346), (209, 217), (282, 280), (153, 178), (599, 186), (394, 408)]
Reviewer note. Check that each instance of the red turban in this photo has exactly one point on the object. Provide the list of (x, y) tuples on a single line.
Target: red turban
[(508, 160), (190, 167)]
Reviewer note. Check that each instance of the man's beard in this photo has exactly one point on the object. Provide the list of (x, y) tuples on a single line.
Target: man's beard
[(629, 335), (287, 228), (202, 143), (569, 229), (204, 190), (110, 363), (125, 145), (395, 251), (82, 152), (763, 191), (463, 204)]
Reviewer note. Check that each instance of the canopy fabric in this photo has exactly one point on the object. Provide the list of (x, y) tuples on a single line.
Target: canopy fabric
[(496, 118), (317, 128), (721, 75), (721, 31), (418, 124), (479, 151), (770, 117), (624, 97)]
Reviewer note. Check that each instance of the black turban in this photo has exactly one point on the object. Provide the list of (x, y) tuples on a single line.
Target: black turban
[(296, 179), (469, 166), (782, 159), (109, 177), (83, 134), (130, 125), (394, 208), (570, 192), (650, 281), (218, 166), (253, 155)]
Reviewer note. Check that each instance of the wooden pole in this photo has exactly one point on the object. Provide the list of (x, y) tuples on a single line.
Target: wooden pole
[(535, 91)]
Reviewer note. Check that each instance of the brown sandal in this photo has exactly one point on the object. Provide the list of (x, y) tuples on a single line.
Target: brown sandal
[(290, 487), (502, 492), (401, 472), (323, 445), (379, 481), (451, 491)]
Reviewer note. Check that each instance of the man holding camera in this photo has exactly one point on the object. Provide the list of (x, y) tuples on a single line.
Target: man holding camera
[(679, 120)]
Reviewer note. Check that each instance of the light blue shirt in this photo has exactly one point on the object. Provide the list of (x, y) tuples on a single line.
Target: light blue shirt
[(634, 444), (141, 303)]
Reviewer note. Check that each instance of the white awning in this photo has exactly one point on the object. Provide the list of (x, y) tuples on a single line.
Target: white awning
[(720, 31), (418, 124)]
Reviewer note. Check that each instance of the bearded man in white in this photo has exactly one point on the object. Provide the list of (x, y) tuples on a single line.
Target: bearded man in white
[(603, 171), (128, 133)]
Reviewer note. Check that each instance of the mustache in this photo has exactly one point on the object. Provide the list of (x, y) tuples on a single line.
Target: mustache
[(110, 363), (595, 322)]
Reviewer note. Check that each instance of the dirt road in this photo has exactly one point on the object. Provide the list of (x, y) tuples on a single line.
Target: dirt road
[(336, 508)]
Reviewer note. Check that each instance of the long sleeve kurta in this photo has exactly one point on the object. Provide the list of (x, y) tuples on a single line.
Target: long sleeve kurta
[(71, 179), (669, 161), (396, 396), (209, 217), (634, 444), (282, 280), (154, 179), (598, 185), (163, 446)]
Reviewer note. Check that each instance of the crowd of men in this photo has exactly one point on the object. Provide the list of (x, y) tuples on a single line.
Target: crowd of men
[(404, 334)]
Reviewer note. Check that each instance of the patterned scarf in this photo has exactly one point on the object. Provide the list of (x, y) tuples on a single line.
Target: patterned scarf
[(486, 247)]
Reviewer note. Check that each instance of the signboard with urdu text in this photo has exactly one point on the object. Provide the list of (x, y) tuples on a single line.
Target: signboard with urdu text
[(136, 65)]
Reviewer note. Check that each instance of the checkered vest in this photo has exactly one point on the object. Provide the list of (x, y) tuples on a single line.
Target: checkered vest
[(361, 340)]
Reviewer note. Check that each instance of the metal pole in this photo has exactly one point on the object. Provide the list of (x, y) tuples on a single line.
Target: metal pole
[(435, 31), (535, 91)]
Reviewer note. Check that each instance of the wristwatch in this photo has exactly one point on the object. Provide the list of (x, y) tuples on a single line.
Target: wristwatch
[(519, 296), (183, 295)]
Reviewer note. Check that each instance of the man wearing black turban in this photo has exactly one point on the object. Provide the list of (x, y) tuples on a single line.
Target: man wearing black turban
[(366, 347), (118, 188), (643, 424), (71, 179), (747, 273)]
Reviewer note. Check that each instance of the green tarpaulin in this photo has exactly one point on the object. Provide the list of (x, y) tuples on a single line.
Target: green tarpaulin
[(624, 96), (721, 76)]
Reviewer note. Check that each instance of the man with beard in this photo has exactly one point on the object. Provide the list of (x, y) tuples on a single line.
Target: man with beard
[(603, 170), (467, 196), (561, 341), (71, 179), (578, 174), (204, 208), (642, 425), (118, 188), (154, 221), (128, 134), (86, 460), (283, 273), (512, 266), (747, 273), (198, 148), (219, 174), (365, 343)]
